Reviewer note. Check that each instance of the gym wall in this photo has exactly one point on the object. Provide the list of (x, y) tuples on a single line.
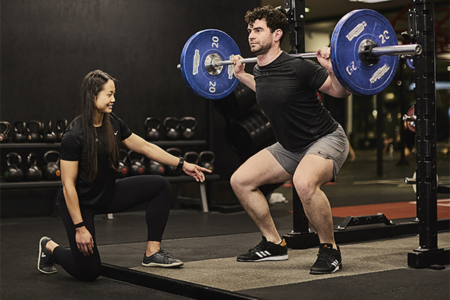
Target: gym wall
[(48, 46)]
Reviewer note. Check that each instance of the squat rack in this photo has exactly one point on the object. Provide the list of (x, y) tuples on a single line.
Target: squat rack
[(421, 31)]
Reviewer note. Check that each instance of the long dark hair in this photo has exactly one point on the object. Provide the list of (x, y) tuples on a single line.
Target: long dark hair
[(92, 85)]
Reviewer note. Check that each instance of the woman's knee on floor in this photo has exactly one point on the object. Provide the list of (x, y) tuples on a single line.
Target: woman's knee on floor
[(90, 272)]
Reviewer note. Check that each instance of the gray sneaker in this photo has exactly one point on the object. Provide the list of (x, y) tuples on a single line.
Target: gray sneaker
[(161, 259), (46, 261)]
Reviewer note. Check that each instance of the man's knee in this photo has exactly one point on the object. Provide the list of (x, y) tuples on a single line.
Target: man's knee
[(305, 188), (235, 181)]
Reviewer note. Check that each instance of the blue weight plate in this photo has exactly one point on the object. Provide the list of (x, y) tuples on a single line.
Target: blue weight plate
[(352, 73), (192, 63), (410, 63)]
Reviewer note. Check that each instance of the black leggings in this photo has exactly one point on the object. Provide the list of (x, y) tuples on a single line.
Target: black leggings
[(128, 192)]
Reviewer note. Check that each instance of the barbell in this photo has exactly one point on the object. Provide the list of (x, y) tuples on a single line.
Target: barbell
[(364, 56)]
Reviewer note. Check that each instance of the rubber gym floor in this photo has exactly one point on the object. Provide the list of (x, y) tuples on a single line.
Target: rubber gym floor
[(208, 243)]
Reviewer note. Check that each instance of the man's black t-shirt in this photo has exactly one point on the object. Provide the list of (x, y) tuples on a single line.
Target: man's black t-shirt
[(97, 191), (286, 90)]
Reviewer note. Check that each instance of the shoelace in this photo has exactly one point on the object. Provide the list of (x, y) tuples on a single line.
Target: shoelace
[(257, 247), (165, 253), (325, 257)]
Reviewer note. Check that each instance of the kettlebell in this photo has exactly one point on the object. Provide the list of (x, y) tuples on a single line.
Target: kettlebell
[(124, 167), (13, 172), (51, 169), (206, 159), (172, 124), (191, 157), (34, 129), (170, 170), (61, 126), (152, 126), (157, 168), (33, 173), (187, 127), (137, 166), (50, 136), (19, 135), (4, 133)]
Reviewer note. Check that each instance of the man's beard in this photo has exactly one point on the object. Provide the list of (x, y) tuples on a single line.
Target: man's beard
[(264, 49)]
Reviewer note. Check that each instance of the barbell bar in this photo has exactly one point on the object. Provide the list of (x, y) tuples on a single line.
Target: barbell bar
[(411, 49), (364, 56)]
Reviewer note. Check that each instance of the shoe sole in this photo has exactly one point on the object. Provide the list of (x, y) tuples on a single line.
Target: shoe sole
[(270, 258), (163, 265), (324, 272), (39, 258)]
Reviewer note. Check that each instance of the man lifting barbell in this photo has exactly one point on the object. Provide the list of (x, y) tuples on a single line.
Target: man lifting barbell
[(311, 146)]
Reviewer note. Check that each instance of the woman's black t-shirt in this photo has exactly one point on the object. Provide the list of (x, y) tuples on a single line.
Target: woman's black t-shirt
[(97, 191), (286, 90)]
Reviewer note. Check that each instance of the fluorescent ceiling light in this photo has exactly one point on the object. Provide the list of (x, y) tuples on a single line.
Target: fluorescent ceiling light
[(369, 1)]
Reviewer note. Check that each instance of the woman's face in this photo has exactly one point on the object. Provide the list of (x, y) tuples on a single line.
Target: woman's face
[(105, 99)]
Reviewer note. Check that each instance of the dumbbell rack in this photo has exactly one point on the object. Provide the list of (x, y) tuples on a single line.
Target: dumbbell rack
[(163, 144)]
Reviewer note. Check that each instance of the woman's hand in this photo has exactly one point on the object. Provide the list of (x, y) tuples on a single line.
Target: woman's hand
[(195, 171), (85, 242)]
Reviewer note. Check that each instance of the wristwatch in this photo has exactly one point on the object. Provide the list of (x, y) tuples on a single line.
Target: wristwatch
[(180, 165)]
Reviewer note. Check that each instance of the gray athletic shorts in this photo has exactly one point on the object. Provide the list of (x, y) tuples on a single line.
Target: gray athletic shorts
[(333, 146)]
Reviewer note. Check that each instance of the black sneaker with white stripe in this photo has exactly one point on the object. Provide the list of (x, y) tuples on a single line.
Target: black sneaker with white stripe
[(328, 260), (265, 251), (46, 261)]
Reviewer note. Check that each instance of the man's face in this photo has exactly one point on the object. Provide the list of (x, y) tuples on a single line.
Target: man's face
[(259, 37)]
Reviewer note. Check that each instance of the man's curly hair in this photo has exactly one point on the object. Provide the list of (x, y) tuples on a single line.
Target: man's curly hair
[(275, 19)]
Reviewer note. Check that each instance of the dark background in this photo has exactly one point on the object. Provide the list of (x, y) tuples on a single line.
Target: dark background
[(48, 46)]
